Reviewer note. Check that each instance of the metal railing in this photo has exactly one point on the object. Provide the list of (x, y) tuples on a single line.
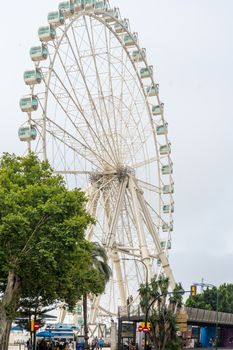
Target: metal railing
[(17, 346), (207, 316)]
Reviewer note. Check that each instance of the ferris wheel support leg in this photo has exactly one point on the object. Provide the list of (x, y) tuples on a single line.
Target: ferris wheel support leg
[(92, 209), (150, 225), (119, 276), (117, 211), (94, 310), (139, 225), (112, 238), (62, 313)]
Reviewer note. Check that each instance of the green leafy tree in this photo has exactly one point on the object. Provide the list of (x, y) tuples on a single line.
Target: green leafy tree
[(43, 252), (208, 299), (162, 314)]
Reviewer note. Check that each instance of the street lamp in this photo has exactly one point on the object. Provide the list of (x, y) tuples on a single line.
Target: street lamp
[(202, 284), (147, 283)]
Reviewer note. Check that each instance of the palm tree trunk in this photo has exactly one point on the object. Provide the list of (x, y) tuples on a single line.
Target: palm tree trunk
[(86, 345)]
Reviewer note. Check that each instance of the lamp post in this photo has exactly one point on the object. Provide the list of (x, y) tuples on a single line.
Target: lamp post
[(202, 284), (147, 301)]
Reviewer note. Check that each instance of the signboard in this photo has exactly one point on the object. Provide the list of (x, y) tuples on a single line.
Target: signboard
[(122, 311), (145, 330), (144, 327), (181, 317), (36, 325), (181, 320), (140, 328), (182, 327), (127, 330)]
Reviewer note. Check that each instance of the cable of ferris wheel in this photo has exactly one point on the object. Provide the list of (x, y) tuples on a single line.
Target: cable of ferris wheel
[(72, 137), (92, 131), (88, 91), (77, 150), (100, 90), (140, 86), (81, 71)]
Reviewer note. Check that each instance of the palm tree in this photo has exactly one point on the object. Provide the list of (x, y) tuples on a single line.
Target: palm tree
[(100, 263), (162, 317)]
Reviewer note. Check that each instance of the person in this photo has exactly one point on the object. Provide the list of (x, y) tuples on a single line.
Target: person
[(43, 345), (96, 343), (70, 345), (93, 344), (101, 343), (29, 344), (132, 346)]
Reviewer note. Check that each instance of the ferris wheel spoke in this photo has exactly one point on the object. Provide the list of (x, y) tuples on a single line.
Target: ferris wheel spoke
[(70, 118), (108, 46), (146, 162), (92, 131), (92, 103), (132, 98), (85, 146), (73, 172), (100, 88), (149, 186), (71, 142)]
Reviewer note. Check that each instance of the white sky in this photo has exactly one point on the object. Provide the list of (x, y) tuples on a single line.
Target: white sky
[(190, 44)]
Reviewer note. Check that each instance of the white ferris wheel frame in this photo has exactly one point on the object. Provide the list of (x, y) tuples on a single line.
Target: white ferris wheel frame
[(129, 186)]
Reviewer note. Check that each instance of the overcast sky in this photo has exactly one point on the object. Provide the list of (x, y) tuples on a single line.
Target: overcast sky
[(190, 44)]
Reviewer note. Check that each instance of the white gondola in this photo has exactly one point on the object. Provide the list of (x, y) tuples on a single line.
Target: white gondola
[(67, 8), (130, 39), (78, 5), (56, 18), (167, 169), (167, 208), (32, 77), (39, 53), (165, 244), (168, 189), (28, 103), (121, 26), (139, 55), (167, 227), (162, 129), (27, 133), (157, 110), (111, 15), (47, 33), (165, 149), (101, 5), (146, 72), (89, 4), (152, 90)]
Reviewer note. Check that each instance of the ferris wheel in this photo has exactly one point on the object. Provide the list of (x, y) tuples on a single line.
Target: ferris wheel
[(93, 110)]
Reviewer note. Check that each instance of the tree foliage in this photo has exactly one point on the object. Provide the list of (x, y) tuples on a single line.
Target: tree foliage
[(162, 315), (208, 299), (43, 252)]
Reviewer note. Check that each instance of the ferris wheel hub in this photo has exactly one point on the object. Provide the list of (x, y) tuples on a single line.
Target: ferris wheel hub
[(120, 173)]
